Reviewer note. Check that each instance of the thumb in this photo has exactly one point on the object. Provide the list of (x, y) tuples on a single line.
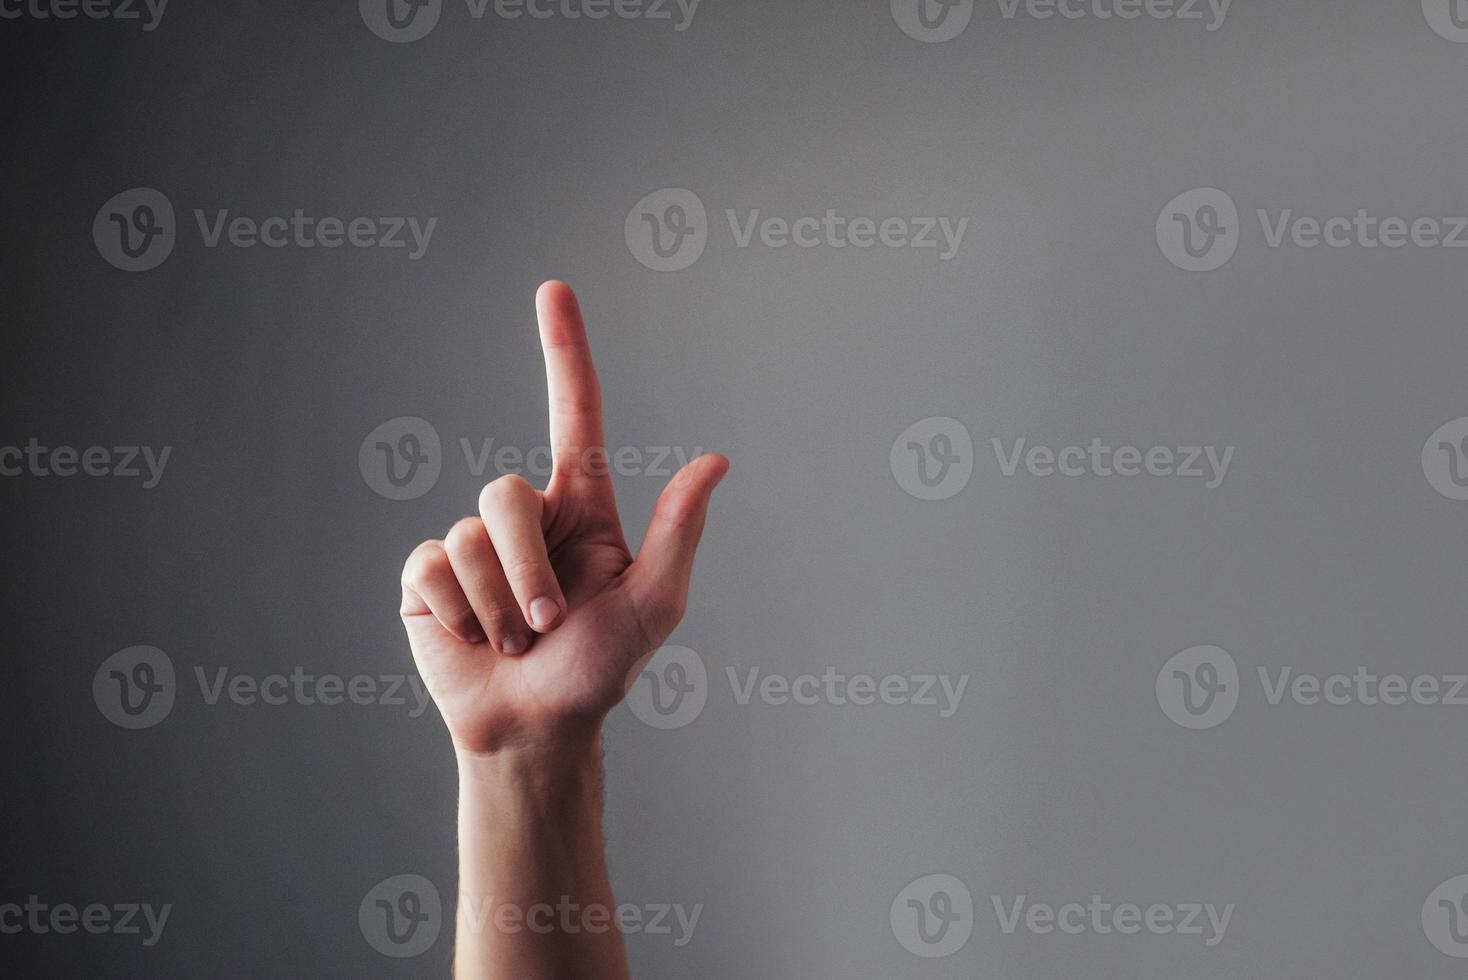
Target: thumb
[(665, 563)]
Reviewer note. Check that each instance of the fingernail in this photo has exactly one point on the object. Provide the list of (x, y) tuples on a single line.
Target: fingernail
[(514, 644), (543, 612), (477, 636)]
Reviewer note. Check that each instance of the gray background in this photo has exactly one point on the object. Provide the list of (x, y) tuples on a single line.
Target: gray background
[(1059, 320)]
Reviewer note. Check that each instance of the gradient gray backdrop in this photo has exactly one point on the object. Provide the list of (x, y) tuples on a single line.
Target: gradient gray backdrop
[(1059, 320)]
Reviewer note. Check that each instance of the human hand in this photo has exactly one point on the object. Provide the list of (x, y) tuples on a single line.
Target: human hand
[(527, 621)]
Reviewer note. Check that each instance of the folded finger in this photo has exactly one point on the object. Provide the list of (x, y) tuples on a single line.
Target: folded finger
[(512, 511), (429, 584), (477, 568)]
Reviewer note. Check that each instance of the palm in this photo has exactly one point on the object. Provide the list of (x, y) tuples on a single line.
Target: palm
[(578, 669), (617, 609)]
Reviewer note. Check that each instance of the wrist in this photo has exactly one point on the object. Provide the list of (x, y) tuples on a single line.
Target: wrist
[(531, 814), (549, 770)]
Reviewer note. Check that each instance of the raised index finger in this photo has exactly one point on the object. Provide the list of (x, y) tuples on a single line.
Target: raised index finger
[(575, 394)]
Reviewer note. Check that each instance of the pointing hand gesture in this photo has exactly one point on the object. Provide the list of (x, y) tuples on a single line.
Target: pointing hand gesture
[(526, 620)]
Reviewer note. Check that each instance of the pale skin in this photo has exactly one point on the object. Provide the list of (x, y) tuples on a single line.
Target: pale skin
[(527, 623)]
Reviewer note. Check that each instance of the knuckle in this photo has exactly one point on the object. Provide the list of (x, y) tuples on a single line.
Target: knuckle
[(585, 400), (464, 535), (507, 489), (499, 620), (525, 568), (427, 564), (463, 623)]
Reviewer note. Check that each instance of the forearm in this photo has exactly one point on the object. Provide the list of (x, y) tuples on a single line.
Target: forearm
[(535, 902)]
